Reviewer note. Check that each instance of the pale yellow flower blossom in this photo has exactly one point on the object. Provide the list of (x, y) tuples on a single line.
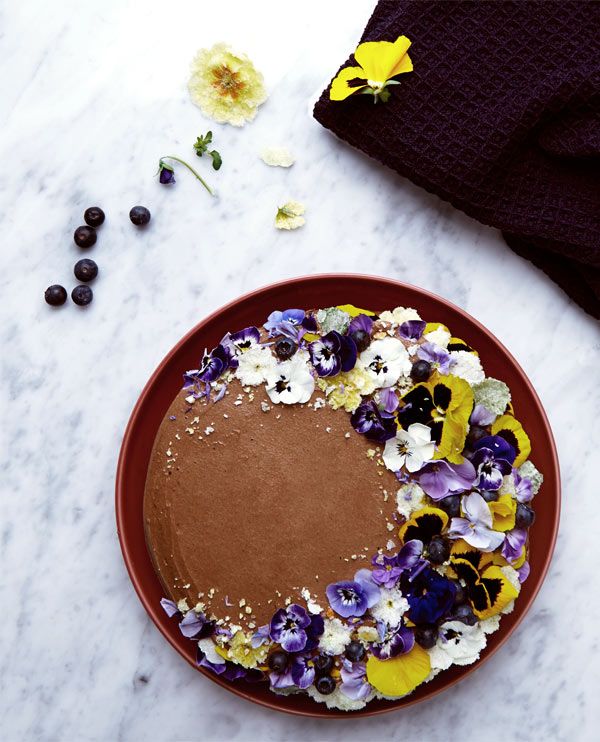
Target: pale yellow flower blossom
[(277, 157), (347, 389), (289, 216), (241, 651)]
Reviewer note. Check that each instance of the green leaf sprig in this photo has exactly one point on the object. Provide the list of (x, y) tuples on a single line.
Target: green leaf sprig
[(201, 147)]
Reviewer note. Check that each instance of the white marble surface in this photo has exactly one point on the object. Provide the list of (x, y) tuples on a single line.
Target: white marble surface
[(92, 94)]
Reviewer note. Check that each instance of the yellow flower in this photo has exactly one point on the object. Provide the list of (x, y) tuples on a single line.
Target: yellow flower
[(503, 510), (242, 651), (289, 216), (399, 675), (423, 524), (225, 85), (378, 61), (347, 389), (512, 431)]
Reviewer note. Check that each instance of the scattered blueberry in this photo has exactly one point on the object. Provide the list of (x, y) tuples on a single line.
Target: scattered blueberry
[(438, 549), (524, 517), (94, 216), (475, 433), (323, 664), (325, 685), (55, 295), (420, 371), (278, 661), (355, 651), (451, 505), (362, 340), (85, 270), (285, 348), (490, 495), (82, 295), (139, 215), (464, 613), (84, 236), (426, 636)]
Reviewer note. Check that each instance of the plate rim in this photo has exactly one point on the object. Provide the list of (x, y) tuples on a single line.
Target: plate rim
[(320, 710)]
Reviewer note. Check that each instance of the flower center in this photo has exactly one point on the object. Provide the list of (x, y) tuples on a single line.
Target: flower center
[(347, 595), (226, 81)]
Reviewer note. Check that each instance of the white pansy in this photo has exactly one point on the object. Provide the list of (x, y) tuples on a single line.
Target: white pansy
[(209, 648), (399, 315), (255, 366), (457, 644), (385, 360), (391, 607), (466, 366), (439, 337), (291, 382), (277, 157), (336, 635), (411, 448), (409, 497), (338, 700)]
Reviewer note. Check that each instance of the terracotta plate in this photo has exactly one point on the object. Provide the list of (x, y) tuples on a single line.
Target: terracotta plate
[(252, 309)]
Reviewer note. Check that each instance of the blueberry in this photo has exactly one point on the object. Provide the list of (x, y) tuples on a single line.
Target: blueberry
[(85, 270), (464, 613), (139, 215), (55, 295), (420, 371), (285, 348), (82, 295), (355, 652), (438, 550), (362, 340), (94, 216), (451, 505), (475, 434), (278, 661), (84, 236), (426, 636), (490, 495), (325, 685), (323, 664), (524, 517)]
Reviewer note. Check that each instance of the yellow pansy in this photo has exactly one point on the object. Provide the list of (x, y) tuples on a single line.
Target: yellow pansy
[(423, 525), (378, 62), (511, 430), (354, 311), (399, 675), (503, 511)]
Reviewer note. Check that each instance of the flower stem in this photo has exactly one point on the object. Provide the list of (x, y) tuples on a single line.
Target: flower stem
[(191, 169)]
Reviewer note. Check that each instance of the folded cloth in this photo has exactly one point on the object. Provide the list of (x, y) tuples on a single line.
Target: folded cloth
[(500, 117)]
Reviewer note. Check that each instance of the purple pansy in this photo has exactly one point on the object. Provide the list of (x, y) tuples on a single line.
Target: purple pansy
[(490, 469), (238, 342), (438, 357), (398, 640), (302, 670), (192, 624), (166, 174), (212, 366), (169, 607), (332, 353), (288, 628), (412, 329), (360, 322), (523, 487), (388, 569), (440, 479), (514, 541), (429, 594), (499, 447), (374, 424), (288, 323), (354, 680), (476, 526), (353, 597), (388, 399)]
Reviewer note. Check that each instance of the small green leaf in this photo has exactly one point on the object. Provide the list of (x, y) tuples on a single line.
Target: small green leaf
[(216, 159)]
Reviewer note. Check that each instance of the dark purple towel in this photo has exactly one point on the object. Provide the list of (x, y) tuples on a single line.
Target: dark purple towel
[(501, 117)]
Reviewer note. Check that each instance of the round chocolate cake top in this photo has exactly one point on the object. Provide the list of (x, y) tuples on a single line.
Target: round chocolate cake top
[(249, 505)]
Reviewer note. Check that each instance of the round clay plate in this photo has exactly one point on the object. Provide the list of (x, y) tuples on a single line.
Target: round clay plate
[(323, 291)]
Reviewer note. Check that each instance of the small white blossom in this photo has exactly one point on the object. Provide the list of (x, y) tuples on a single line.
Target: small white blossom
[(410, 497), (439, 337), (277, 157), (457, 644), (289, 216), (466, 366), (255, 365), (411, 448), (399, 315), (338, 700), (291, 382), (492, 394), (529, 471), (385, 361), (336, 635), (391, 607)]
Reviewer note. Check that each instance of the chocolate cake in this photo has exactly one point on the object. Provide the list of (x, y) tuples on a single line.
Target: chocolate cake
[(337, 504)]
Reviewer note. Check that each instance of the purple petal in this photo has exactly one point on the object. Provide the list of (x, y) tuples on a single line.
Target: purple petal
[(169, 607), (361, 322), (192, 624), (481, 416), (514, 541), (388, 399), (412, 329), (523, 571)]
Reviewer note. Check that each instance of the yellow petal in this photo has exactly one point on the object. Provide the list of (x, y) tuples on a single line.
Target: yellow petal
[(507, 592), (503, 510), (399, 675), (380, 59), (354, 311), (427, 511), (512, 431), (340, 88)]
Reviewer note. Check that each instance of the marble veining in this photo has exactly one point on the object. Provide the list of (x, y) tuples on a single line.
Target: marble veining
[(92, 94)]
